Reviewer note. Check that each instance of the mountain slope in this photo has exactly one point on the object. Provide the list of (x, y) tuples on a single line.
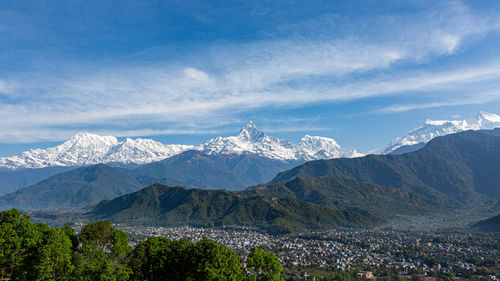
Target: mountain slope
[(416, 138), (77, 188), (216, 171), (11, 181), (460, 167), (488, 225), (89, 185), (348, 194), (163, 205)]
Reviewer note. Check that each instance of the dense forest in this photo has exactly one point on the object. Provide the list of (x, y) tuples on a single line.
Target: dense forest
[(35, 251)]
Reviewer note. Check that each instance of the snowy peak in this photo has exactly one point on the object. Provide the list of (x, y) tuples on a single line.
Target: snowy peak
[(88, 149), (250, 139), (319, 143), (250, 132), (85, 140), (487, 120), (435, 122), (316, 147), (83, 137), (436, 128), (488, 116), (142, 151)]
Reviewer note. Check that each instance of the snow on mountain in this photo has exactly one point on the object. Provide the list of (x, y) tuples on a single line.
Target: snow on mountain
[(324, 148), (88, 149), (143, 151), (250, 139), (436, 128)]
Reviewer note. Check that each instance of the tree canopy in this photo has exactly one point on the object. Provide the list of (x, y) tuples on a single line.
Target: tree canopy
[(35, 251)]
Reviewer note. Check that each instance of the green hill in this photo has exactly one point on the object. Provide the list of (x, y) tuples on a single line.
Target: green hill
[(488, 225), (459, 169), (77, 188), (163, 205), (348, 194)]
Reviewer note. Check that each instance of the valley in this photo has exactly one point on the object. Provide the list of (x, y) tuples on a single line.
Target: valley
[(428, 212)]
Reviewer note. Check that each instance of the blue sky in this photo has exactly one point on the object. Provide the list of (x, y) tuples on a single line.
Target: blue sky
[(362, 72)]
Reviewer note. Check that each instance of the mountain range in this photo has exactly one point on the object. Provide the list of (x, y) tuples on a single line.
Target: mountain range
[(234, 162), (454, 169), (89, 149), (78, 188), (90, 184), (418, 137), (164, 205), (450, 172)]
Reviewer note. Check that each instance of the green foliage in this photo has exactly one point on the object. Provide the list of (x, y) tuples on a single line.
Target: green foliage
[(159, 258), (52, 259), (163, 205), (103, 254), (264, 266), (70, 232), (15, 241), (30, 251), (215, 262), (35, 251), (349, 194)]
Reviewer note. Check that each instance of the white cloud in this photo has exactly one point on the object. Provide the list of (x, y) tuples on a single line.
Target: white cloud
[(477, 98), (197, 76), (6, 88), (3, 86), (230, 78)]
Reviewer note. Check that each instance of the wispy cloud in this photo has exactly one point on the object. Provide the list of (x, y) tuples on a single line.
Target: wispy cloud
[(476, 98), (210, 88)]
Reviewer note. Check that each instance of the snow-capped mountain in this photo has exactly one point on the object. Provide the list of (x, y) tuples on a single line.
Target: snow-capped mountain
[(250, 139), (436, 128), (88, 149)]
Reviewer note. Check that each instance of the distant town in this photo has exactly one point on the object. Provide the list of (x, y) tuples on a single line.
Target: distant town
[(370, 254)]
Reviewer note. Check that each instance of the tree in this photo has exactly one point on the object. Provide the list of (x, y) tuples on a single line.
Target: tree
[(52, 258), (263, 266), (18, 237), (159, 258), (103, 254), (216, 262), (35, 251), (70, 232)]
